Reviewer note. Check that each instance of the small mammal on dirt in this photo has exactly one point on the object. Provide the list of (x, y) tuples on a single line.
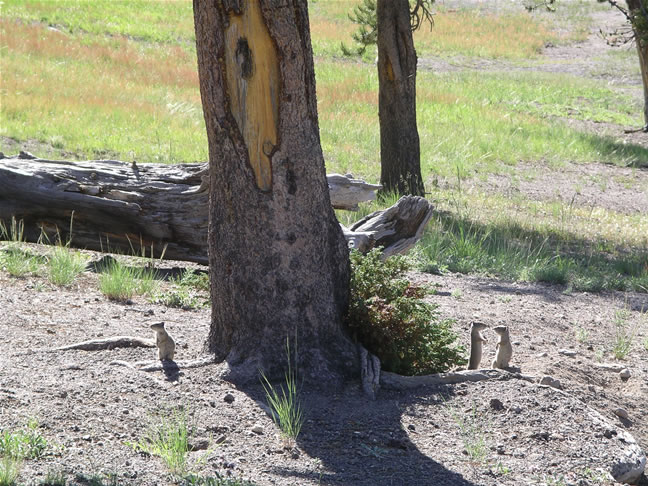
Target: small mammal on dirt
[(476, 340), (504, 350), (164, 342)]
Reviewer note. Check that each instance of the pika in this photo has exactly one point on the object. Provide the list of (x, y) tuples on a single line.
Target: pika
[(476, 340), (164, 342), (504, 350)]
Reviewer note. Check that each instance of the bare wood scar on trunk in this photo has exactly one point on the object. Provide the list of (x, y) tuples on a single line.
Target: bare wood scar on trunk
[(253, 85)]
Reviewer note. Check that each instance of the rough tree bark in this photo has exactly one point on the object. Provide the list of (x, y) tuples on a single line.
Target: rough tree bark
[(278, 258), (399, 139), (641, 40)]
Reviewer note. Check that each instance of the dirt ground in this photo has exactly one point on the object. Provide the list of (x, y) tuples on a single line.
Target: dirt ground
[(505, 431)]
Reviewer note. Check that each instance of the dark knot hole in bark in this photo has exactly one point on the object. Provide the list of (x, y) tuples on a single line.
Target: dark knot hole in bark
[(244, 58)]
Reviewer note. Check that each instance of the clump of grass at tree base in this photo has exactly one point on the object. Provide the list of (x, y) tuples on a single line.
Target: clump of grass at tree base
[(121, 282), (284, 402), (388, 316)]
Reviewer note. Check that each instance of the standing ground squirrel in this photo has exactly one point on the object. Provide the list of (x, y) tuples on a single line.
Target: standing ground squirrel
[(164, 342), (476, 340), (504, 350)]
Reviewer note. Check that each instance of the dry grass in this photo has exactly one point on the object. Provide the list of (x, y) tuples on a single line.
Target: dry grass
[(474, 33)]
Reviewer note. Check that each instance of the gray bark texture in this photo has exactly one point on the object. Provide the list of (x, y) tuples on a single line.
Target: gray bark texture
[(111, 205), (399, 139), (278, 259)]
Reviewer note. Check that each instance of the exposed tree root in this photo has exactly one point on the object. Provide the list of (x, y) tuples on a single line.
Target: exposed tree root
[(108, 343), (399, 382)]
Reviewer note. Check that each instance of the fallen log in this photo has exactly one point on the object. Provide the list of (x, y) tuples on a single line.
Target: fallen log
[(161, 210), (396, 228)]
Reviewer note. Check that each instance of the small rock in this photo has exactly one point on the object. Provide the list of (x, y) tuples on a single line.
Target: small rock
[(257, 429), (229, 398), (62, 394), (26, 155), (567, 352), (621, 412), (609, 433), (198, 444), (496, 404), (613, 367), (542, 355), (550, 381), (411, 427), (624, 373)]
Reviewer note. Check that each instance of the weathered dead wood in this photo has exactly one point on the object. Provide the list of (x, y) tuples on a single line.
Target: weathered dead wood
[(100, 344), (131, 208), (108, 343), (346, 192), (394, 381), (396, 228), (369, 372)]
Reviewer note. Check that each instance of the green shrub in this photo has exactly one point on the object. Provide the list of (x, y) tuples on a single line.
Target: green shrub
[(388, 315)]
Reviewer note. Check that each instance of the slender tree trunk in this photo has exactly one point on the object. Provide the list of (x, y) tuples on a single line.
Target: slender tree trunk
[(641, 40), (399, 139), (278, 259)]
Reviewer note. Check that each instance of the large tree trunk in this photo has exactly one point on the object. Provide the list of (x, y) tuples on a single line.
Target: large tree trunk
[(641, 40), (278, 259), (399, 139)]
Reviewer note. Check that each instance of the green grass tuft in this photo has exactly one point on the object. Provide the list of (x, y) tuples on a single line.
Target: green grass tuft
[(121, 282), (284, 401), (168, 438), (65, 265)]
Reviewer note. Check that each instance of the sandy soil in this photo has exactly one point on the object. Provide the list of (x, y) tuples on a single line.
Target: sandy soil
[(505, 431)]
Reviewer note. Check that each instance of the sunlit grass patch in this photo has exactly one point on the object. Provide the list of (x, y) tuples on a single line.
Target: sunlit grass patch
[(548, 241), (121, 282), (154, 21), (471, 32), (135, 106), (64, 265), (473, 122)]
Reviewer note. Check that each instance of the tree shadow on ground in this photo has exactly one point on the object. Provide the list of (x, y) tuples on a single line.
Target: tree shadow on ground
[(612, 149), (363, 442)]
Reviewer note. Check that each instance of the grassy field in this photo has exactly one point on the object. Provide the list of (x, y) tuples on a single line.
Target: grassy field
[(118, 79)]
